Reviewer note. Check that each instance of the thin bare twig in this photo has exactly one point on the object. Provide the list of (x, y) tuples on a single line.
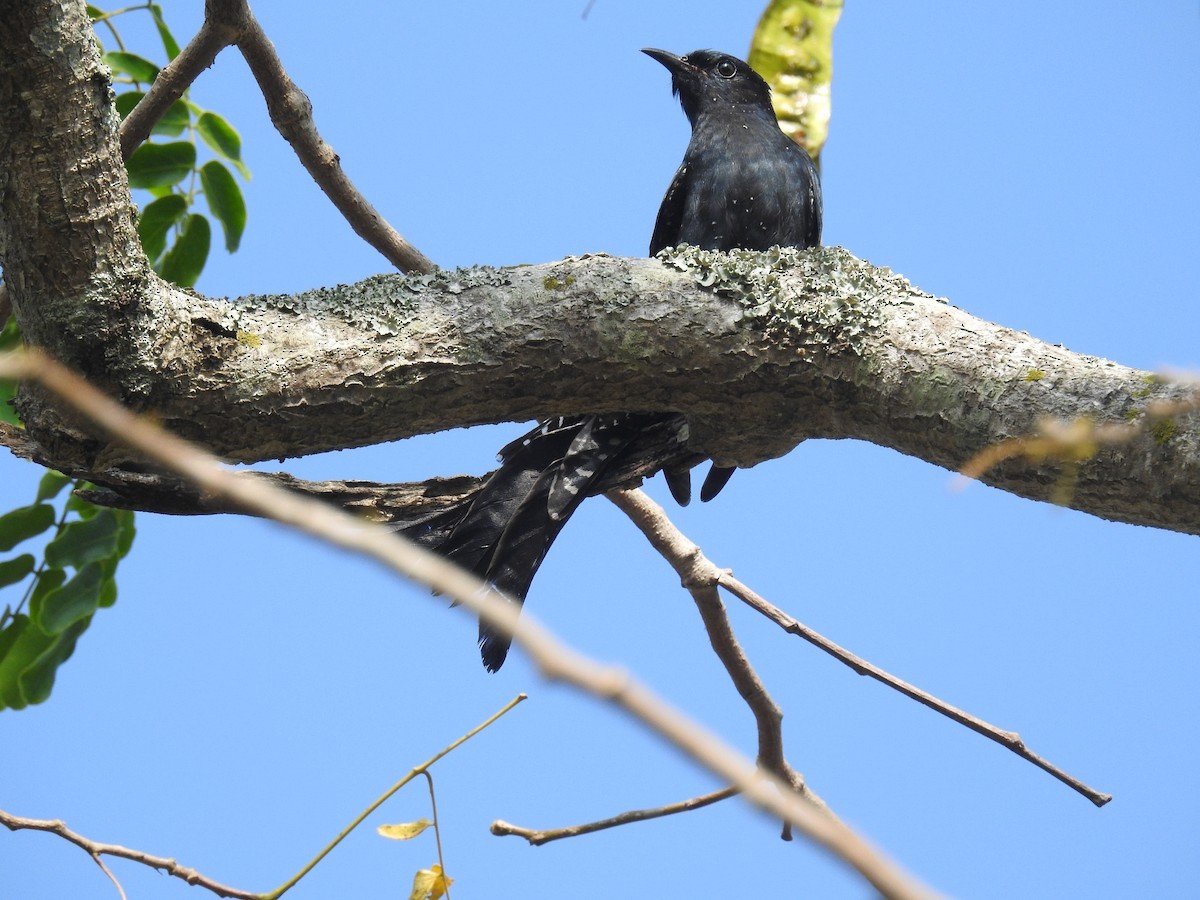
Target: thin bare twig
[(1009, 739), (95, 849), (173, 80), (694, 567), (437, 829), (291, 113), (229, 22), (553, 659), (698, 578), (111, 877), (413, 773), (537, 837)]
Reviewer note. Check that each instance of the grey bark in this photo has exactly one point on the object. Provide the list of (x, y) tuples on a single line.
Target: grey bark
[(757, 352)]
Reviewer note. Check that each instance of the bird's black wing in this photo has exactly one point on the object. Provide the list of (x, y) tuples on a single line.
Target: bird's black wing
[(666, 234), (670, 214)]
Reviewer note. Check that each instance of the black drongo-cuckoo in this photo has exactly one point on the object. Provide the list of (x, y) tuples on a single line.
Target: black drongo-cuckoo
[(742, 184)]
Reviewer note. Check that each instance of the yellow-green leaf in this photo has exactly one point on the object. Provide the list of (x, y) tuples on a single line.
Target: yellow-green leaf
[(405, 830), (430, 884), (793, 50)]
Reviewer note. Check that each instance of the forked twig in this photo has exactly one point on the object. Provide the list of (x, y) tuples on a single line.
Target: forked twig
[(696, 574), (96, 849), (174, 79), (688, 558), (228, 22), (538, 836)]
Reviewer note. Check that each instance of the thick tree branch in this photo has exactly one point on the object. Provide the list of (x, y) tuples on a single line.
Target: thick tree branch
[(392, 357), (757, 352)]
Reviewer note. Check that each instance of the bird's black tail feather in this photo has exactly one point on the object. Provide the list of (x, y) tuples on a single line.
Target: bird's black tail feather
[(717, 478), (510, 525)]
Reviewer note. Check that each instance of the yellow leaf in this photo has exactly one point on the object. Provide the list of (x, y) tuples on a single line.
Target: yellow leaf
[(404, 830), (793, 50), (430, 884)]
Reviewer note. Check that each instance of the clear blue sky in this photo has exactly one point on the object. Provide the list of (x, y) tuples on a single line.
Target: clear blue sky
[(251, 691)]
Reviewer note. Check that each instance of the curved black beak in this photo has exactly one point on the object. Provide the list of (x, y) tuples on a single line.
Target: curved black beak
[(676, 65)]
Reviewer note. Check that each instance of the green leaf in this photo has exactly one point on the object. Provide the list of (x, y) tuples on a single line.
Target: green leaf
[(222, 138), (126, 523), (21, 643), (8, 415), (51, 485), (126, 101), (94, 12), (10, 335), (48, 580), (136, 67), (158, 165), (14, 570), (38, 679), (168, 40), (156, 219), (84, 508), (62, 607), (10, 339), (108, 592), (29, 660), (23, 523), (225, 200), (82, 543), (184, 262), (174, 121)]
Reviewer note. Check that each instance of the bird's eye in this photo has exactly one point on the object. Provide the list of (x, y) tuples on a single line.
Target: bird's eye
[(726, 69)]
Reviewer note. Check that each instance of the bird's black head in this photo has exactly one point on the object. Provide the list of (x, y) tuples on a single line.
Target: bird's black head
[(706, 79)]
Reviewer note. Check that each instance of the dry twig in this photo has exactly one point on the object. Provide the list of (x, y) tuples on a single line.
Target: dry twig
[(537, 837), (1009, 739), (554, 660), (695, 568), (229, 22), (96, 849), (698, 576)]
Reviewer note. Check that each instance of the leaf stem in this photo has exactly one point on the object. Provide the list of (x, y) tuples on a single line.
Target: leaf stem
[(437, 833), (291, 882)]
